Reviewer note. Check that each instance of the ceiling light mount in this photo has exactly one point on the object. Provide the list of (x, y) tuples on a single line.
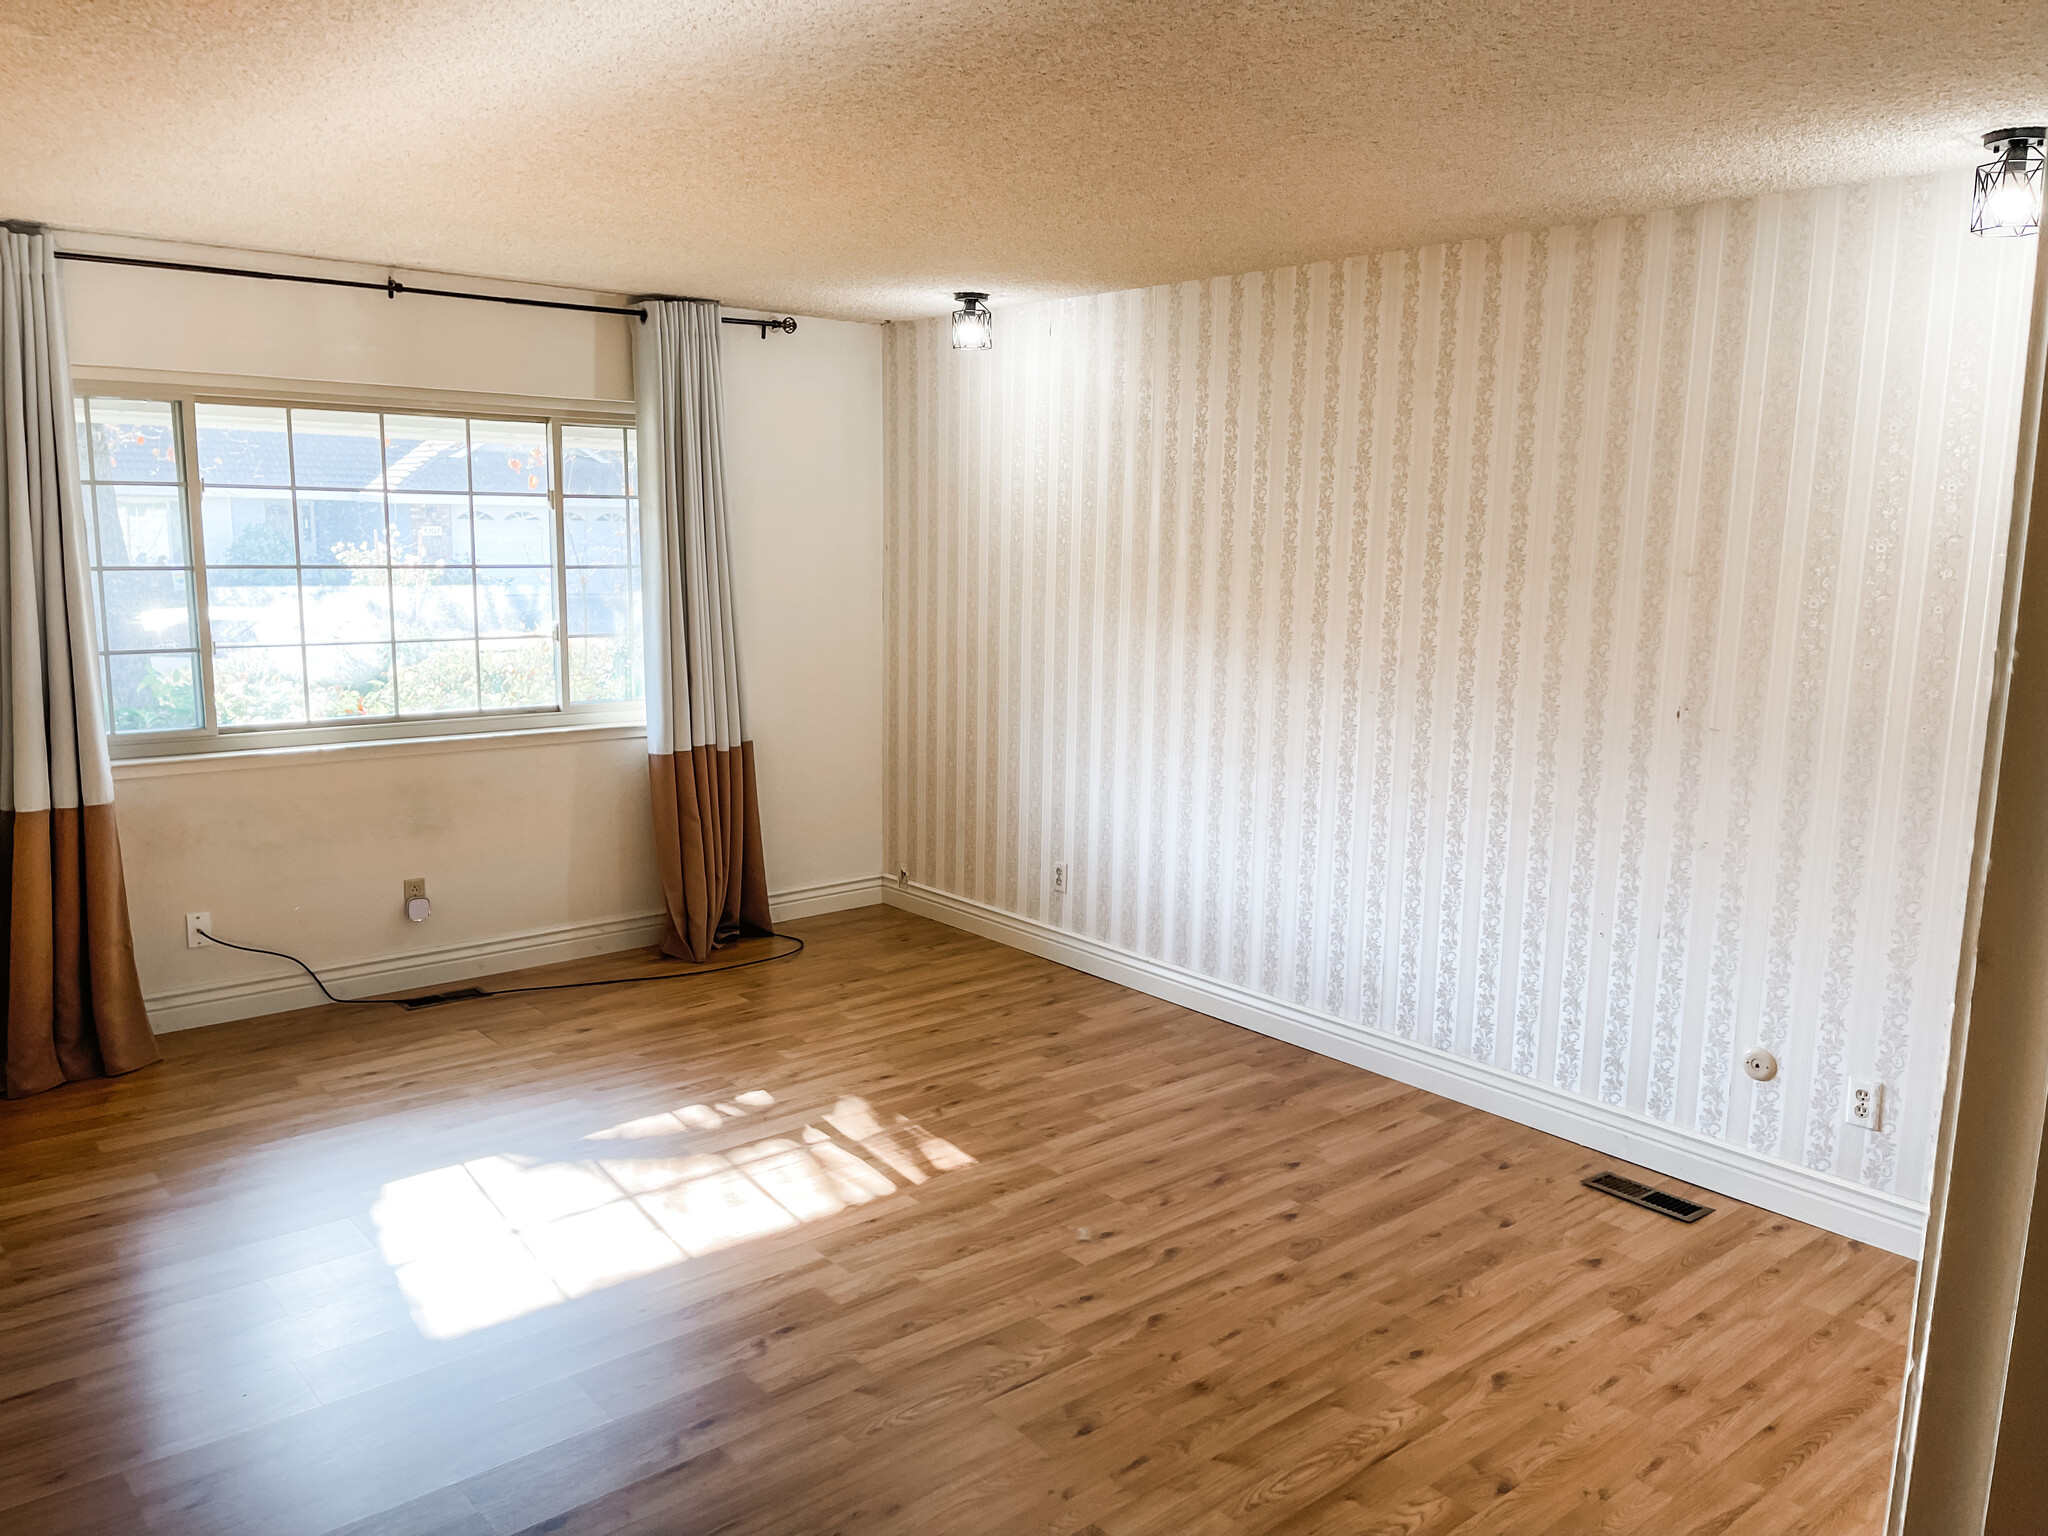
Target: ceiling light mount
[(2008, 200), (973, 325)]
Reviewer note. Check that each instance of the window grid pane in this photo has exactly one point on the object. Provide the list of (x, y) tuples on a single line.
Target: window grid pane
[(358, 565), (601, 549), (141, 566), (419, 549)]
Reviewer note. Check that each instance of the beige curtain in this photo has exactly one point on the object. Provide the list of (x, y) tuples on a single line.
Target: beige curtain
[(74, 1006), (707, 817)]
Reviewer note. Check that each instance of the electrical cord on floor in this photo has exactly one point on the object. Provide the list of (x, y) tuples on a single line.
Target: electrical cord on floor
[(466, 993)]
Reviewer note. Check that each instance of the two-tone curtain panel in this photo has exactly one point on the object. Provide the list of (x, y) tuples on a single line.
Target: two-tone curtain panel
[(707, 815), (74, 1005)]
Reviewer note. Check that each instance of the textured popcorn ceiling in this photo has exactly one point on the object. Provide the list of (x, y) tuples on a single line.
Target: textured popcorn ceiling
[(863, 158)]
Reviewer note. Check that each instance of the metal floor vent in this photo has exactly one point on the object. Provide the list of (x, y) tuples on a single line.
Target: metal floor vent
[(1648, 1198), (433, 998)]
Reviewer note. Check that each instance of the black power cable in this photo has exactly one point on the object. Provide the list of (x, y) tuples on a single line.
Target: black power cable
[(469, 992)]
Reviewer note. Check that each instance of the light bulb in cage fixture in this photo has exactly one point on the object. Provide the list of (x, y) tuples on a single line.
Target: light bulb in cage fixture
[(973, 329), (2008, 200)]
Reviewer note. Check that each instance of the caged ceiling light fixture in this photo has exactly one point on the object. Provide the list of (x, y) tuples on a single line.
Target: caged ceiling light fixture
[(972, 323), (2008, 200)]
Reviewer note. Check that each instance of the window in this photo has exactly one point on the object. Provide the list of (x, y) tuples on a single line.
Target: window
[(357, 571), (142, 564)]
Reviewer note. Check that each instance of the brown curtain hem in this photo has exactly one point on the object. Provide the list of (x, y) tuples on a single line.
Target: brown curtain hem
[(707, 839), (74, 1003)]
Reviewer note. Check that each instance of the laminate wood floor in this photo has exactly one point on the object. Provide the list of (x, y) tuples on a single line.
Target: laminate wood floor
[(911, 1234)]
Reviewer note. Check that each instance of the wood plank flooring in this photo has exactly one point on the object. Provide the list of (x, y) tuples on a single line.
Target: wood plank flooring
[(910, 1234)]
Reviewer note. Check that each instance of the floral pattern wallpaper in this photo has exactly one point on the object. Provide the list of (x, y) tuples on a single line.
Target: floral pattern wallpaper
[(1567, 650)]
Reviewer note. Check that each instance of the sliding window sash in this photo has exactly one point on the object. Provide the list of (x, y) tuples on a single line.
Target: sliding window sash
[(188, 392)]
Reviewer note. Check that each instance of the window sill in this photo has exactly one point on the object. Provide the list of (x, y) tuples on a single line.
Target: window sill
[(306, 754)]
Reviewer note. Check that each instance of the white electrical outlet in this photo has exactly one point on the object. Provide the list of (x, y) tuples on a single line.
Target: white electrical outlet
[(1059, 879), (1866, 1105), (194, 921)]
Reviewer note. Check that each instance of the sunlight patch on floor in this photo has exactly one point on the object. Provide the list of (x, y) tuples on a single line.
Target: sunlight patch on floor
[(492, 1239)]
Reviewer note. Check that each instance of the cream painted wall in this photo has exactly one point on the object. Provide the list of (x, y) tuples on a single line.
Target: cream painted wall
[(1564, 656), (183, 322), (803, 442), (532, 848), (522, 846)]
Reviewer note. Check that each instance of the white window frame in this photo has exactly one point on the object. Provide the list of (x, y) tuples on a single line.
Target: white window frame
[(186, 392)]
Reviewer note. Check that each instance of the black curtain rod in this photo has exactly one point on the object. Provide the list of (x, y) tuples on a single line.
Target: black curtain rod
[(391, 287)]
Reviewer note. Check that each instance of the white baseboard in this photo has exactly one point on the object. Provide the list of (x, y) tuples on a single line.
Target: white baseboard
[(249, 997), (1884, 1220), (816, 900), (246, 998)]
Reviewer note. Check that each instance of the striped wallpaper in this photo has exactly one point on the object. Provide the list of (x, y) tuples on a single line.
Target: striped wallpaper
[(1566, 650)]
